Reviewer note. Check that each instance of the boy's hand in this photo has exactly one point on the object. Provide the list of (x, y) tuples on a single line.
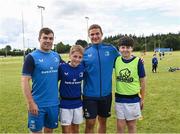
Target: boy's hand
[(142, 59)]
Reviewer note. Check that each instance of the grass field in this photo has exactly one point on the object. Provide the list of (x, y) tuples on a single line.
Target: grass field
[(162, 103)]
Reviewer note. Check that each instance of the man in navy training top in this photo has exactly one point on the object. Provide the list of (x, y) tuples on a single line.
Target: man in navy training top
[(97, 97), (42, 99)]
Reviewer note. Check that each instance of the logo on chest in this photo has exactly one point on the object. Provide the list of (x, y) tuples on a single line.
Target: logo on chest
[(56, 59), (107, 53), (66, 73), (41, 60), (81, 74), (89, 55)]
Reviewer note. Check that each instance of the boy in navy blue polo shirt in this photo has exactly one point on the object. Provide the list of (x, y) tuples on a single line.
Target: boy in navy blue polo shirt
[(71, 76)]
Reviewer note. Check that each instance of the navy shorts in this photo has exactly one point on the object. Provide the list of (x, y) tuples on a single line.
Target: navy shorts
[(47, 117), (93, 107)]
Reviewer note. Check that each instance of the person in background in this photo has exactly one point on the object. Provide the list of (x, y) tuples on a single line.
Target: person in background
[(160, 55), (154, 63)]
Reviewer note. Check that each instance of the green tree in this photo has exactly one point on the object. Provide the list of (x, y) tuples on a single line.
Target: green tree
[(83, 43), (61, 48), (7, 49)]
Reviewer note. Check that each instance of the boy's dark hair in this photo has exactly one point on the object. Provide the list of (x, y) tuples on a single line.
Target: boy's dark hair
[(45, 30), (126, 41), (95, 26)]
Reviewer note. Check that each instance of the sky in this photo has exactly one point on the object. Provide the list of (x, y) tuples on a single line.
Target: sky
[(67, 19)]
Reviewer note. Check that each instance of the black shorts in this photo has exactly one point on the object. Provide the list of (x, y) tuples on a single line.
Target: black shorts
[(94, 107), (154, 66)]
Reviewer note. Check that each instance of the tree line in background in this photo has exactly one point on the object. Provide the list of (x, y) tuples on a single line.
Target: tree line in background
[(151, 42), (142, 43)]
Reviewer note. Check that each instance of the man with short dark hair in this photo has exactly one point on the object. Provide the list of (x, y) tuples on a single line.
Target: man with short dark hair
[(42, 99), (97, 97)]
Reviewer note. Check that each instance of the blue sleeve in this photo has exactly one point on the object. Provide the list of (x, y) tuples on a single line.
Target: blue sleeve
[(28, 66), (83, 66), (116, 54), (141, 70), (114, 62), (60, 72)]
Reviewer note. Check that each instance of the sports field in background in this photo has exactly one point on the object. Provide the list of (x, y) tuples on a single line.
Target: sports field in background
[(162, 102)]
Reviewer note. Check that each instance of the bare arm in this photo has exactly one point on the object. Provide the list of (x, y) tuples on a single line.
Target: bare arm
[(32, 106), (142, 91)]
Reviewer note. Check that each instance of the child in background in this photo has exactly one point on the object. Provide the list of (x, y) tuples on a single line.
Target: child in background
[(160, 55), (71, 76), (130, 87), (154, 63)]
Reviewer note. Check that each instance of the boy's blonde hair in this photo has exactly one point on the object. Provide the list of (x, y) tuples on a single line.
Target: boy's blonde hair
[(76, 48)]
